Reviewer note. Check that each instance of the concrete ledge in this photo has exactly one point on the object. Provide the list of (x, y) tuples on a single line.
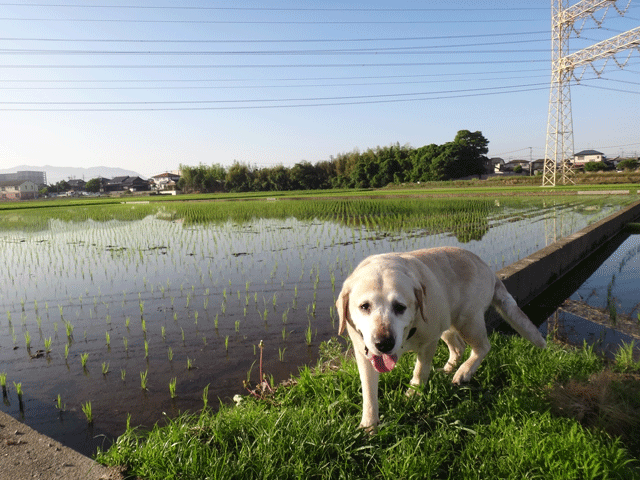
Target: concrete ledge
[(604, 192), (529, 277)]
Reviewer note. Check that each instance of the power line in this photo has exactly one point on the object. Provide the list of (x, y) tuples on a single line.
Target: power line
[(358, 77), (266, 22), (318, 65), (308, 99), (250, 107), (324, 40), (254, 86), (270, 9), (419, 50)]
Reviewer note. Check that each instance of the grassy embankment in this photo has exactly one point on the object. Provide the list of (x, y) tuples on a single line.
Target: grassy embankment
[(528, 413)]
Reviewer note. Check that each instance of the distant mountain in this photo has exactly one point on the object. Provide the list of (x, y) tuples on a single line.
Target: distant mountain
[(55, 174)]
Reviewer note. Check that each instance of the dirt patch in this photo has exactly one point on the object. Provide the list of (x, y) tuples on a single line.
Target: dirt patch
[(24, 453)]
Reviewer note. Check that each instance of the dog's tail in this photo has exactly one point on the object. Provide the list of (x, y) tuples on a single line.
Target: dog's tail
[(507, 307)]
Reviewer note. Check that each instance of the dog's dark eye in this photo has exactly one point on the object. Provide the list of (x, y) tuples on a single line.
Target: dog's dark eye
[(398, 308), (366, 307)]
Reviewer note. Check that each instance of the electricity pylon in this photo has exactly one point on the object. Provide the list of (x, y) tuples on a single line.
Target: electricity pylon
[(559, 146)]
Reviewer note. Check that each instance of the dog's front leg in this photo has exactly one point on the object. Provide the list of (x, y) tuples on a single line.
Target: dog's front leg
[(369, 380), (424, 359)]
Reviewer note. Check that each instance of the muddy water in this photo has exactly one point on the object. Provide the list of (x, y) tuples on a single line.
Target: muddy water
[(133, 294)]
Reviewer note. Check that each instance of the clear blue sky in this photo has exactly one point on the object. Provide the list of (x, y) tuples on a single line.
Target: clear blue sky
[(147, 88)]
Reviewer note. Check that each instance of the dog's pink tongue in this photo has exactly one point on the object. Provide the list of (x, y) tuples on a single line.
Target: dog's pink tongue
[(384, 363)]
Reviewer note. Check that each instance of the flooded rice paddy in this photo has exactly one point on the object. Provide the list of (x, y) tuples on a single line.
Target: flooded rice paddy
[(137, 310)]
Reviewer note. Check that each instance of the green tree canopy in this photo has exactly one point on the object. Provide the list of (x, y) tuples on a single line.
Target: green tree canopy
[(93, 185), (463, 157)]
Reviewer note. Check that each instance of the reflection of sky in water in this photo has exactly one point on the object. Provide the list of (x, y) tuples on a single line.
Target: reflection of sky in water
[(621, 273)]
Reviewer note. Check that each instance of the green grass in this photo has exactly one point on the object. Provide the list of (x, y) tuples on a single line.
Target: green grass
[(504, 424)]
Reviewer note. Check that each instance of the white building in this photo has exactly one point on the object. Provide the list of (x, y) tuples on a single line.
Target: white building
[(586, 156)]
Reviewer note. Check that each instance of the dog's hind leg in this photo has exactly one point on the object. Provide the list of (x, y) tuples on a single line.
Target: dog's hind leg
[(456, 348), (474, 332)]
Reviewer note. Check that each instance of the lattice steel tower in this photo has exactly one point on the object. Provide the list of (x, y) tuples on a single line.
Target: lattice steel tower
[(559, 146)]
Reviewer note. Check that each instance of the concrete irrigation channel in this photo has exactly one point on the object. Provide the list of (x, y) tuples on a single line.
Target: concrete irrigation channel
[(547, 277)]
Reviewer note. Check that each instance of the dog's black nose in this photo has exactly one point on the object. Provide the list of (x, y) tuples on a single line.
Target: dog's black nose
[(385, 344)]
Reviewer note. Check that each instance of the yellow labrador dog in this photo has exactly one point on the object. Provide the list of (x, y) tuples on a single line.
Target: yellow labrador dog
[(396, 302)]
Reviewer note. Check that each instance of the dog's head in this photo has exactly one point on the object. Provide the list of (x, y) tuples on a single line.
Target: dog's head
[(382, 300)]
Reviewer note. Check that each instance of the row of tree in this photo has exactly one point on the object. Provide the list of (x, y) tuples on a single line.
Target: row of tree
[(378, 167)]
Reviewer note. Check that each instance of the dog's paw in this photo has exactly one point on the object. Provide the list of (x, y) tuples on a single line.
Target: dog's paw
[(413, 390), (462, 376), (449, 367), (370, 429)]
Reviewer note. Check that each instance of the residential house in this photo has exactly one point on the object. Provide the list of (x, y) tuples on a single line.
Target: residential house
[(537, 166), (132, 184), (76, 184), (512, 164), (586, 156), (494, 165), (18, 190), (165, 181)]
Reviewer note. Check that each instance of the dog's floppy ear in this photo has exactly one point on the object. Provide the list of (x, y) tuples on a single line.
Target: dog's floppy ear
[(421, 293), (342, 307)]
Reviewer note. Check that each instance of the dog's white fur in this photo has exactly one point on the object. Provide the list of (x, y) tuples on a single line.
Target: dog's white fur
[(396, 302)]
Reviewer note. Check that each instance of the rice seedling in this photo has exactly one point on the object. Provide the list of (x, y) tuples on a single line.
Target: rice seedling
[(308, 335), (123, 374), (59, 405), (105, 368), (146, 349), (107, 339), (281, 353), (18, 387), (27, 339), (205, 397), (189, 364), (88, 412), (69, 329), (170, 354), (47, 345), (195, 316), (226, 344), (83, 359), (3, 383), (66, 351), (163, 333), (125, 341), (172, 387), (144, 379)]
